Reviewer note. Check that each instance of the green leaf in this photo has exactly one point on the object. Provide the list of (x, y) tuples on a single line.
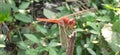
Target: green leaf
[(115, 41), (93, 25), (67, 6), (49, 14), (24, 5), (20, 52), (116, 26), (23, 17), (31, 52), (22, 45), (13, 5), (112, 37), (88, 17), (4, 12), (60, 8), (52, 51), (94, 5), (41, 29), (107, 6), (104, 18), (25, 30), (2, 38), (54, 31), (91, 51), (64, 53), (117, 53), (53, 44), (79, 50), (94, 31), (31, 37)]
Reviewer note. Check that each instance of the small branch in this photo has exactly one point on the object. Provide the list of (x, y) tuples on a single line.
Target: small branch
[(83, 4), (81, 12), (71, 43), (6, 26), (8, 33)]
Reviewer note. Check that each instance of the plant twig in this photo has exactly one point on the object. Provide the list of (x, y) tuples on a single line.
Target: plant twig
[(81, 12), (8, 33), (71, 43)]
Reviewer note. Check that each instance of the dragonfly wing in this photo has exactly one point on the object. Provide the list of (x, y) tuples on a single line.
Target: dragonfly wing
[(63, 35)]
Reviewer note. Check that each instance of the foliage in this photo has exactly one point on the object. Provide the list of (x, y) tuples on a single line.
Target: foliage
[(31, 37)]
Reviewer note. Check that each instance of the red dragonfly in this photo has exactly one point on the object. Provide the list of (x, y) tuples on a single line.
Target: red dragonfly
[(66, 27)]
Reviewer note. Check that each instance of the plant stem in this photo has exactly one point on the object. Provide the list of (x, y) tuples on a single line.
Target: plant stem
[(8, 33), (71, 43)]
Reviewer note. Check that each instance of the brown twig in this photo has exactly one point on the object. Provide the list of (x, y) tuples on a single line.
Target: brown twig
[(83, 5), (71, 43), (81, 12), (8, 38)]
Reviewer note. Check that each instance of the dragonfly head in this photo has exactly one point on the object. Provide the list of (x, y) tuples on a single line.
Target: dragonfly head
[(71, 22)]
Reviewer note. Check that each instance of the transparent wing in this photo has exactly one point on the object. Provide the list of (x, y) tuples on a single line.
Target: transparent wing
[(64, 31), (63, 35)]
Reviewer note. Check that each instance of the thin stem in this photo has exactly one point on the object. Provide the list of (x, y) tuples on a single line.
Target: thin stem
[(71, 43), (81, 12), (20, 35), (8, 33)]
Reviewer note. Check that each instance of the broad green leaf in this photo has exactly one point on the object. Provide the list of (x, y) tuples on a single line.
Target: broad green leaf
[(64, 53), (31, 52), (24, 5), (49, 14), (20, 52), (94, 31), (41, 29), (63, 11), (53, 44), (115, 41), (4, 12), (22, 45), (24, 18), (117, 53), (94, 5), (25, 30), (88, 17), (67, 6), (116, 26), (2, 38), (52, 51), (60, 8), (112, 37), (31, 37), (91, 51), (13, 5), (104, 19), (2, 46), (102, 12), (79, 50), (107, 6), (90, 14), (93, 25), (53, 32)]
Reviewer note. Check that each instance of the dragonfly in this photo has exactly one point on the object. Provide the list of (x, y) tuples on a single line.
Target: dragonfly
[(66, 27)]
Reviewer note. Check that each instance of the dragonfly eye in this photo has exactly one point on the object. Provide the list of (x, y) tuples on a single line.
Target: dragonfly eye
[(71, 22)]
